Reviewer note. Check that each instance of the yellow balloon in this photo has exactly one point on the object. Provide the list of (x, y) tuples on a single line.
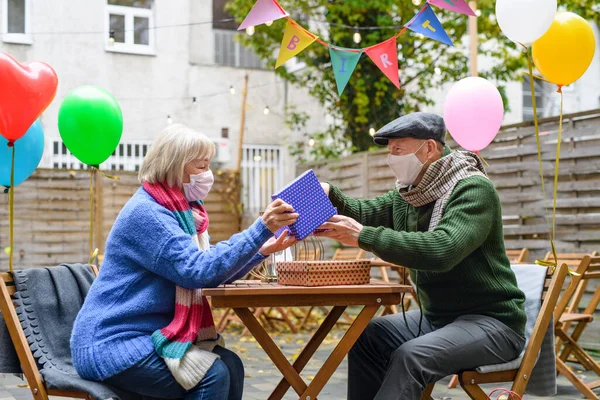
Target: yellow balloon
[(566, 51)]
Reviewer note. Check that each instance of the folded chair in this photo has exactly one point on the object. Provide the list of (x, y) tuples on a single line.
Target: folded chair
[(578, 321), (519, 375), (34, 348)]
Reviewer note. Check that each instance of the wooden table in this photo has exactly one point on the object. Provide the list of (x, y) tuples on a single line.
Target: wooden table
[(243, 295), (402, 273)]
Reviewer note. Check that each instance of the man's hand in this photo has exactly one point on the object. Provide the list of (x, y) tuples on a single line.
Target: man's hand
[(343, 229), (274, 245)]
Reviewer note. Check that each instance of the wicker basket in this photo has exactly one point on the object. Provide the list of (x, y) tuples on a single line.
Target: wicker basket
[(324, 273)]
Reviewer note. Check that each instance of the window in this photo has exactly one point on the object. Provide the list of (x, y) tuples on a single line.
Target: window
[(129, 26), (544, 99), (128, 156), (230, 53), (262, 175), (16, 27)]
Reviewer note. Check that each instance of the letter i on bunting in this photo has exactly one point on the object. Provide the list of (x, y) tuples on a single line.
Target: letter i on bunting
[(385, 56), (295, 39), (343, 62), (426, 23), (459, 6)]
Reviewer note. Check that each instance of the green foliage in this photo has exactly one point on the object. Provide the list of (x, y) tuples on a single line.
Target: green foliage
[(370, 100)]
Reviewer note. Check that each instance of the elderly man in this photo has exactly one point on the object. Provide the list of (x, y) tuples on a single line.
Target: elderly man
[(443, 222)]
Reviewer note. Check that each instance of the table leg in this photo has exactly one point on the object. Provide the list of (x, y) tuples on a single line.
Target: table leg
[(340, 351), (310, 349), (272, 350)]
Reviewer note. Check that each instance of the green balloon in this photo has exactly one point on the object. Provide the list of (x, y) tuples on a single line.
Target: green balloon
[(90, 123)]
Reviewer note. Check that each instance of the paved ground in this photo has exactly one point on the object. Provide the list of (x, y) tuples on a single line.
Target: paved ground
[(262, 377)]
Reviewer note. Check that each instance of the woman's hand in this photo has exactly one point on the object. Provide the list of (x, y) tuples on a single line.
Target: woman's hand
[(274, 245), (278, 214)]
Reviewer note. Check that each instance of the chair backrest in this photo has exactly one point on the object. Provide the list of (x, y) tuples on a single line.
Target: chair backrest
[(569, 294), (592, 272), (555, 279), (349, 253), (518, 256), (28, 362), (571, 259)]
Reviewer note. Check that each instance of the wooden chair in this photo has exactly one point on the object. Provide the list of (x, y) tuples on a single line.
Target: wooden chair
[(518, 256), (470, 380), (28, 362), (572, 260), (569, 339)]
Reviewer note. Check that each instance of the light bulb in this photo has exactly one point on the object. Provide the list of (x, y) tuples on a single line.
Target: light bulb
[(311, 142), (250, 30), (372, 131), (416, 2), (266, 111), (438, 71), (231, 89), (478, 13), (257, 158), (169, 120), (357, 37), (269, 23)]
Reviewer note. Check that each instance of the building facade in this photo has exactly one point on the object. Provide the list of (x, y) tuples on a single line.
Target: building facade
[(165, 62)]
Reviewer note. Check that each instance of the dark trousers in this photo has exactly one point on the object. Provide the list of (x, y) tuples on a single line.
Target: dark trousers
[(388, 362)]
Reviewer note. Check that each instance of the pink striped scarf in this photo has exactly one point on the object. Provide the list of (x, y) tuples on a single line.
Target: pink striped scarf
[(186, 344)]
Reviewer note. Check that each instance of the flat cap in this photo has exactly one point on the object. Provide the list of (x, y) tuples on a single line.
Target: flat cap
[(418, 125)]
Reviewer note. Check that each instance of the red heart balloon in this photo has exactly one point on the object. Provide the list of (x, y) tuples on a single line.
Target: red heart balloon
[(26, 90)]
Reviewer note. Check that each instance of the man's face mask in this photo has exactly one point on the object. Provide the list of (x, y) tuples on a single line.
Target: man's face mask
[(406, 167)]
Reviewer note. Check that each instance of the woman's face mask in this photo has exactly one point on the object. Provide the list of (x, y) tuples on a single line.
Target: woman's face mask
[(200, 182), (199, 186)]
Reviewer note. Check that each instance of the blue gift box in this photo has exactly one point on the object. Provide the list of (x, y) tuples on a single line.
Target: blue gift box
[(310, 201)]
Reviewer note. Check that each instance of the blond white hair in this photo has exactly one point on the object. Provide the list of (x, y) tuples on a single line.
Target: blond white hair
[(176, 146)]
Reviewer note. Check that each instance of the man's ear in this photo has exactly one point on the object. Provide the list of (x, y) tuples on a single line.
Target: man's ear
[(431, 148)]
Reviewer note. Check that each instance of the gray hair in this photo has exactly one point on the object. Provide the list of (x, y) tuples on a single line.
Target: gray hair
[(176, 146)]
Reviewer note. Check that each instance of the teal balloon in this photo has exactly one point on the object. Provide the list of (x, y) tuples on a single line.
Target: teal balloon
[(343, 62), (28, 154), (90, 123)]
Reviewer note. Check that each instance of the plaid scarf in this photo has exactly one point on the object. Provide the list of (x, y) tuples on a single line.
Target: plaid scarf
[(439, 181), (186, 344)]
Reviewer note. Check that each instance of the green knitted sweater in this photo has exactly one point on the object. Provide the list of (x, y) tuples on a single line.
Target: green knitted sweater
[(459, 268)]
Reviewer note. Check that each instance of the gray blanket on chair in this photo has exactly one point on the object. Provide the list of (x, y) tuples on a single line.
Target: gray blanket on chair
[(48, 300)]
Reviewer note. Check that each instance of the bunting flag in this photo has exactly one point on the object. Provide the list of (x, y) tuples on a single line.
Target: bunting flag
[(263, 11), (385, 56), (426, 23), (295, 39), (343, 62), (459, 6)]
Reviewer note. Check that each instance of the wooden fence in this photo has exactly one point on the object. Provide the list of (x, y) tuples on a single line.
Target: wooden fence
[(514, 169), (52, 212)]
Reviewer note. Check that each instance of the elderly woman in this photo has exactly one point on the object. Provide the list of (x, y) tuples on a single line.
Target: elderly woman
[(145, 326)]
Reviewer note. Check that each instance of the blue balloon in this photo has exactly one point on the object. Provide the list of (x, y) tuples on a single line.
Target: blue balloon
[(28, 154)]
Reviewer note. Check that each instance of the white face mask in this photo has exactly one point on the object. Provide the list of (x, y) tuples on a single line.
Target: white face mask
[(406, 167), (199, 186)]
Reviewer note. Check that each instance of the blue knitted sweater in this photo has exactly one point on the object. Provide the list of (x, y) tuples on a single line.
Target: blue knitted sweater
[(147, 256)]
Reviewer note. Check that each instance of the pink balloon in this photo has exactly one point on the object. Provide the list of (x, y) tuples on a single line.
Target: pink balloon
[(473, 113)]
